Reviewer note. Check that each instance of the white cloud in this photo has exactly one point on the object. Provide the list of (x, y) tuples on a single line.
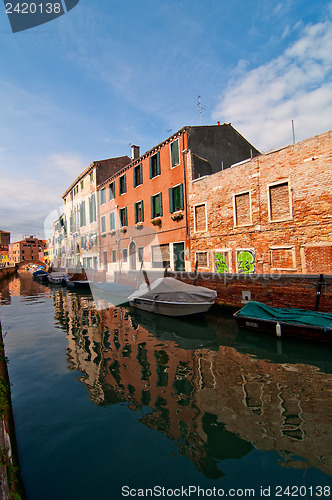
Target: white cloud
[(261, 103)]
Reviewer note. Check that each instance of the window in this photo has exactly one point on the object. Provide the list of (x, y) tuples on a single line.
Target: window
[(92, 208), (103, 196), (82, 184), (103, 224), (176, 198), (139, 213), (112, 221), (242, 209), (138, 175), (154, 162), (123, 216), (156, 206), (283, 258), (125, 255), (175, 157), (200, 217), (91, 176), (113, 255), (202, 259), (140, 254), (160, 256), (122, 184), (111, 190), (279, 202), (222, 261), (82, 214)]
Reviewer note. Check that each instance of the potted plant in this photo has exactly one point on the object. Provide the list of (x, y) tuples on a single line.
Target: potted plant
[(177, 216), (156, 221)]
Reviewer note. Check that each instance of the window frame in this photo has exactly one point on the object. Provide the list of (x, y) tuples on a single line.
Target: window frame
[(102, 196), (154, 197), (123, 212), (290, 200), (235, 218), (136, 211), (171, 198), (138, 175), (110, 190), (206, 221), (103, 224), (178, 152), (122, 184), (154, 165)]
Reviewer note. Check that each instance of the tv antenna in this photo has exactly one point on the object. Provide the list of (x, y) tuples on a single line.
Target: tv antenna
[(200, 107)]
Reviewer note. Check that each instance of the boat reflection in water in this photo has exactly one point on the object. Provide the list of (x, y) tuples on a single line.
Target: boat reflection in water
[(213, 395)]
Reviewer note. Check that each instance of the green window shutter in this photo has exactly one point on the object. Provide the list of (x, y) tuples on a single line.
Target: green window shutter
[(112, 221), (125, 183), (152, 207), (125, 216), (151, 167), (142, 207), (141, 173), (158, 163), (136, 213), (175, 153), (134, 177), (181, 197), (160, 204), (171, 200)]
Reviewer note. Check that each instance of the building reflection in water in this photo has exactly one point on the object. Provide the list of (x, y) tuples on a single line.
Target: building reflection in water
[(212, 400)]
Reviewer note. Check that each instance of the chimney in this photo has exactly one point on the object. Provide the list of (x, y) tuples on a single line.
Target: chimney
[(134, 152)]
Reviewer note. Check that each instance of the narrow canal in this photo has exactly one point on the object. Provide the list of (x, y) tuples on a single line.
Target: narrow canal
[(109, 402)]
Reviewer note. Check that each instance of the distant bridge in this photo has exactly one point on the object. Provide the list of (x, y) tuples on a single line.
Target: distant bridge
[(25, 263)]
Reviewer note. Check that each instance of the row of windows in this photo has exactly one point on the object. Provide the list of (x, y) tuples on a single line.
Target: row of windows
[(279, 207), (154, 169), (176, 203)]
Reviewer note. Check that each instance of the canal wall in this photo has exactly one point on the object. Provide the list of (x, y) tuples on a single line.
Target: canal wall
[(234, 290), (11, 482), (5, 272)]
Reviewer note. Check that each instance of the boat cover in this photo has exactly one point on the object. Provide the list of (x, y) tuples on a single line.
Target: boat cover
[(172, 290), (261, 311)]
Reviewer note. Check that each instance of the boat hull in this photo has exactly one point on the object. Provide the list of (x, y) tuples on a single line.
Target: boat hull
[(284, 329), (170, 308)]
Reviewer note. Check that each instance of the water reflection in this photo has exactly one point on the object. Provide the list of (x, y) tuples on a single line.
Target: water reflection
[(216, 400)]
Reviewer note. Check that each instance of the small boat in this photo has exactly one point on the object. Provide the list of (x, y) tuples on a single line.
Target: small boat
[(40, 272), (299, 323), (58, 278), (171, 297)]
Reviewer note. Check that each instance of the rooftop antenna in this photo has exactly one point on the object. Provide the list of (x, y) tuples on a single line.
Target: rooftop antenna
[(293, 130), (201, 108)]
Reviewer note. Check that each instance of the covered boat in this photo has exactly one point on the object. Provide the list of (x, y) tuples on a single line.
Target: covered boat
[(289, 322), (172, 297)]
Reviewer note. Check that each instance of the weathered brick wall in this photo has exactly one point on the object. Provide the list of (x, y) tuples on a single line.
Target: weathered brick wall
[(288, 224), (296, 290)]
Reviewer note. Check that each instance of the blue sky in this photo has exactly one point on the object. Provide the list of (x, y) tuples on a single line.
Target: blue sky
[(85, 86)]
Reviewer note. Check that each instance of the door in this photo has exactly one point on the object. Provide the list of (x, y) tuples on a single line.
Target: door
[(178, 256), (132, 255)]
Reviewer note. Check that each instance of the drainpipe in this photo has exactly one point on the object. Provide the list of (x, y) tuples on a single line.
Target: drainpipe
[(186, 194)]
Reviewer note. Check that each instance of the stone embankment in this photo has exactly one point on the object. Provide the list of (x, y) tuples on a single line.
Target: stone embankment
[(11, 487)]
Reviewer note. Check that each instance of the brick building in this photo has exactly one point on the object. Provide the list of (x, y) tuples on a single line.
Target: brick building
[(30, 248), (4, 248), (268, 214), (144, 207)]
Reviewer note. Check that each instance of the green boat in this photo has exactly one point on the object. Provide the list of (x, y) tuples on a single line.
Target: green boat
[(281, 322)]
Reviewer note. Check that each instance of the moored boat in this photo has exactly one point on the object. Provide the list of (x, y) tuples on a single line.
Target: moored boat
[(116, 293), (58, 278), (301, 323), (79, 284), (171, 297)]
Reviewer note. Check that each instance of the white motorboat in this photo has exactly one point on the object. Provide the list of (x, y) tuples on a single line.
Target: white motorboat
[(171, 297), (58, 278)]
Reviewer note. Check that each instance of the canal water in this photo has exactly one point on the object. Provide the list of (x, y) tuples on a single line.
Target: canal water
[(112, 403)]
